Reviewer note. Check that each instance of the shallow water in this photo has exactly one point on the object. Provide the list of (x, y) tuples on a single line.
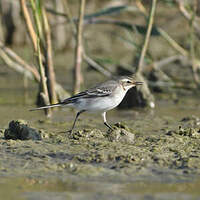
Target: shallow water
[(25, 188)]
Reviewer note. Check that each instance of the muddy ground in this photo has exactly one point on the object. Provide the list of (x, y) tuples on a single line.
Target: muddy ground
[(152, 154)]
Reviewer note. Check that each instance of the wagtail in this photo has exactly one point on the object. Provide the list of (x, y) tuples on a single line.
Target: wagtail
[(101, 98)]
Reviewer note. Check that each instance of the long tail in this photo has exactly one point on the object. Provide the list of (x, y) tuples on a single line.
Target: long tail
[(48, 106)]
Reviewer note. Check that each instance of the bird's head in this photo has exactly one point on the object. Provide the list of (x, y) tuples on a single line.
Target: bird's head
[(128, 82)]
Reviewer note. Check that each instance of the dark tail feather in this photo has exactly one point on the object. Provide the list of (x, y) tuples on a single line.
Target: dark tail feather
[(48, 106)]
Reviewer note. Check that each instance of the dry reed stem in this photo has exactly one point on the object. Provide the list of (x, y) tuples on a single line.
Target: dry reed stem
[(79, 49), (147, 37), (44, 94), (49, 60), (38, 23), (28, 23), (44, 91)]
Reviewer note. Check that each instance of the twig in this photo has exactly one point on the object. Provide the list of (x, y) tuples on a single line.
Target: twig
[(146, 41), (165, 61), (69, 16), (79, 49), (19, 60), (54, 12), (192, 47), (140, 6), (189, 16), (95, 65), (15, 65)]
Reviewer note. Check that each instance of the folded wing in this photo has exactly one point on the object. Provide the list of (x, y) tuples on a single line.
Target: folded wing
[(99, 91)]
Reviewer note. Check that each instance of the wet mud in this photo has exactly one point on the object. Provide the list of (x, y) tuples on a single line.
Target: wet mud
[(147, 154)]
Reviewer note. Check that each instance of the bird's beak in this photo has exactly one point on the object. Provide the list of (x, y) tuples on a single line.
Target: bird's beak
[(138, 83)]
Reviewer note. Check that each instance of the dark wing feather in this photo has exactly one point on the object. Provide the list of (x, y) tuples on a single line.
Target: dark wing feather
[(102, 90), (99, 92)]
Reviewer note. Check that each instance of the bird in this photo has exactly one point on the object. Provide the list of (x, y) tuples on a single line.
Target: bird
[(101, 98)]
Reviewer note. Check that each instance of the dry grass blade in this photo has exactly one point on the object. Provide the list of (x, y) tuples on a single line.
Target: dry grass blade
[(173, 43)]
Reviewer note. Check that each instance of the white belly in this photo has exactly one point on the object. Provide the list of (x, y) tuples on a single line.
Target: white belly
[(100, 104)]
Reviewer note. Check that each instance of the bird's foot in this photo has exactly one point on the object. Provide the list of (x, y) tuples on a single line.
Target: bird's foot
[(69, 134), (111, 129), (109, 126), (69, 131)]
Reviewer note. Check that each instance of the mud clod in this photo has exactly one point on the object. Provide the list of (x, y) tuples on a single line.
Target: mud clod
[(188, 131), (85, 134), (121, 133), (19, 129), (192, 120)]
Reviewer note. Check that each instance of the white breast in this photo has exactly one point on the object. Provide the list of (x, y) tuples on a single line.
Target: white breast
[(102, 104)]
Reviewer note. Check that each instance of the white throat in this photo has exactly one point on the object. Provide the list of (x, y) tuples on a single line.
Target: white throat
[(126, 88)]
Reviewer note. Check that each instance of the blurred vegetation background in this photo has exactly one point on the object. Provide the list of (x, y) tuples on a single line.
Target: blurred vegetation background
[(64, 46)]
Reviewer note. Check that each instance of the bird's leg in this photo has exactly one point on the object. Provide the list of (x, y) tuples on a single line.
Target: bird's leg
[(77, 115), (105, 121)]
